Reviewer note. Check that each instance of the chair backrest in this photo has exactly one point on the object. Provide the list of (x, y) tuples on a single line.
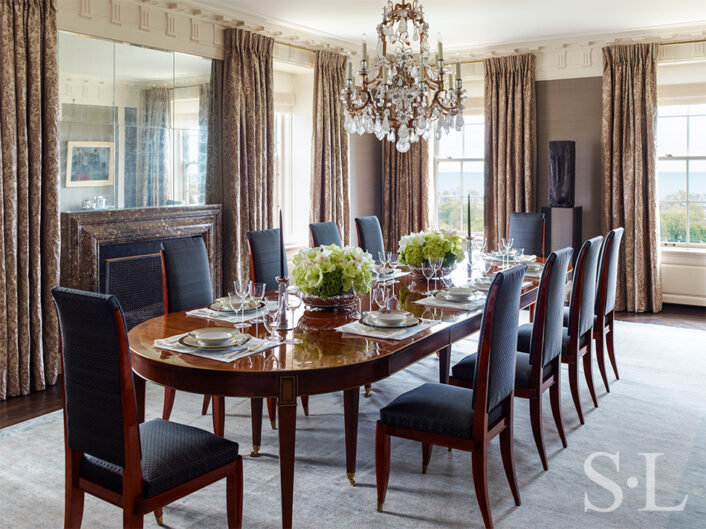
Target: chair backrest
[(548, 326), (186, 274), (583, 289), (370, 235), (97, 374), (497, 347), (527, 230), (325, 233), (608, 272), (265, 251)]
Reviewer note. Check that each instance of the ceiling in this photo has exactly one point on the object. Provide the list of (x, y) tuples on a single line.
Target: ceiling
[(467, 24)]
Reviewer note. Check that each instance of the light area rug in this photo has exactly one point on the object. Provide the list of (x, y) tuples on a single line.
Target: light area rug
[(657, 406)]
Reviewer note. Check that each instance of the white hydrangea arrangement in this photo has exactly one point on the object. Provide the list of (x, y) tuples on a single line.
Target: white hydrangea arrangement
[(416, 248), (329, 271)]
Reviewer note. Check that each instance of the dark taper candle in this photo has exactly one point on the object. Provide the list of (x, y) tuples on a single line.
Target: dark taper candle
[(282, 255), (469, 215)]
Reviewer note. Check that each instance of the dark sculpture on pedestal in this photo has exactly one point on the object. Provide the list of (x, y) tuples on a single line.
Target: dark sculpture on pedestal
[(562, 173)]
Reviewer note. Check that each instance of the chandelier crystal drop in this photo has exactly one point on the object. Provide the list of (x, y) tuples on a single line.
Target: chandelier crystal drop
[(403, 95)]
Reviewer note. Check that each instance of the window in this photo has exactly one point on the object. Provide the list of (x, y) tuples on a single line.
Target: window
[(458, 166), (681, 173)]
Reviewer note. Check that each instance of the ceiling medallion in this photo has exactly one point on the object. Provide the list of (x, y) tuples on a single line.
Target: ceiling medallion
[(404, 94)]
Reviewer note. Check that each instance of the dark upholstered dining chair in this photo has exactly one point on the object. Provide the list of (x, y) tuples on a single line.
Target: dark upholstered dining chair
[(325, 233), (370, 235), (576, 339), (540, 369), (265, 250), (467, 419), (139, 467), (603, 326), (186, 280), (527, 230)]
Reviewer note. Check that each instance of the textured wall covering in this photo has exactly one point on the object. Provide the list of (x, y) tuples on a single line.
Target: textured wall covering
[(330, 193), (510, 141), (248, 146), (406, 192), (29, 180), (629, 171)]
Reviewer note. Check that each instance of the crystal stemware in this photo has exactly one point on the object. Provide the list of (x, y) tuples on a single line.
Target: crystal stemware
[(242, 291), (272, 317), (393, 259), (257, 292), (428, 271)]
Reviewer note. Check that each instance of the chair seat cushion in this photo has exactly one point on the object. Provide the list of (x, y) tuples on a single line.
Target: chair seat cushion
[(434, 408), (524, 333), (566, 318), (465, 369), (172, 454)]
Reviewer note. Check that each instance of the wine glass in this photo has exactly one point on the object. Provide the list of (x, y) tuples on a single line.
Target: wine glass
[(437, 263), (447, 281), (506, 245), (257, 292), (242, 290), (393, 259), (381, 297), (272, 317), (294, 301), (428, 271), (382, 257)]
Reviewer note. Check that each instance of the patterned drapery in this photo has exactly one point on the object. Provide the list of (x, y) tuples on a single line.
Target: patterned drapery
[(405, 192), (330, 194), (248, 149), (29, 209), (510, 142), (153, 147), (629, 171)]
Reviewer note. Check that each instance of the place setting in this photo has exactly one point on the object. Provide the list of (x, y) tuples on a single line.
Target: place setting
[(459, 298), (388, 324), (216, 343), (243, 306)]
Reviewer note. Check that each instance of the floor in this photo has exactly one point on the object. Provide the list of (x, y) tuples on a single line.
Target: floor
[(18, 409)]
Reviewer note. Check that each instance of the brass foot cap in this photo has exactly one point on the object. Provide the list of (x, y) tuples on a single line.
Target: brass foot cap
[(255, 450), (351, 475), (273, 424), (160, 519), (379, 507)]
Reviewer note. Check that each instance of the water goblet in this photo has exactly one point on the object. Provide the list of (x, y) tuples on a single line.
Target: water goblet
[(382, 258), (272, 317), (294, 302), (428, 271), (242, 291), (257, 292), (381, 297), (393, 259)]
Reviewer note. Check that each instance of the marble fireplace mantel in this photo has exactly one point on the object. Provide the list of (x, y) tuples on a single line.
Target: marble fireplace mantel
[(85, 233)]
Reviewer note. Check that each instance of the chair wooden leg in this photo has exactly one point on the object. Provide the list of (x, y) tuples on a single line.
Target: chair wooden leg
[(555, 400), (305, 404), (536, 419), (168, 403), (532, 307), (574, 385), (479, 461), (159, 516), (508, 455), (131, 519), (368, 388), (588, 373), (609, 343), (219, 415), (600, 359), (73, 513), (426, 456), (206, 402), (234, 499), (382, 463), (272, 412)]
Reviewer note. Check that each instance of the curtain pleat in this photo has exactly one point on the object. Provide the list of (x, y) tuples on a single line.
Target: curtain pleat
[(29, 189), (510, 142), (629, 171), (154, 147), (405, 192), (330, 194), (248, 145)]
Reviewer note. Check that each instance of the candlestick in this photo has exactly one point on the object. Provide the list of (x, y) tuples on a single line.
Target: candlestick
[(349, 70), (282, 255), (469, 215), (440, 48), (282, 303), (365, 49)]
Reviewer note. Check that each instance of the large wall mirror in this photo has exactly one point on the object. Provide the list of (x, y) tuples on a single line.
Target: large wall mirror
[(134, 125)]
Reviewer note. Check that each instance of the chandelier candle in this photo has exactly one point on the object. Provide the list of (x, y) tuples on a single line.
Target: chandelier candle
[(402, 95)]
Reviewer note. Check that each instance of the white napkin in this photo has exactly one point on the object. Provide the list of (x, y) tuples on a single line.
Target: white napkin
[(433, 301), (227, 317), (254, 345), (385, 334), (385, 277)]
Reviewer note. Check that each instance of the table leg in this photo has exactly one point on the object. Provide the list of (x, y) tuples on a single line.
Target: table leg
[(287, 436), (139, 384), (444, 364), (219, 415), (256, 420), (351, 398)]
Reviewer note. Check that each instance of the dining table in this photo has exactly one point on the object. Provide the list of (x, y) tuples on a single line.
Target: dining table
[(326, 359)]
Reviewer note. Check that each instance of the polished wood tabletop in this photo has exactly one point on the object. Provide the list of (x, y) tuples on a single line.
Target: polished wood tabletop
[(286, 371)]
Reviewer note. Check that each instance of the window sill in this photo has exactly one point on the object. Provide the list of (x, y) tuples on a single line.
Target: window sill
[(687, 250)]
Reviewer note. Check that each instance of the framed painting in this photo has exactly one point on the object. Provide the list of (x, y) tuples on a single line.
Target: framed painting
[(89, 163)]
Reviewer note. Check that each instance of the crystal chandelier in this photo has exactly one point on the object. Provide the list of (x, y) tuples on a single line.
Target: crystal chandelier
[(404, 94)]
